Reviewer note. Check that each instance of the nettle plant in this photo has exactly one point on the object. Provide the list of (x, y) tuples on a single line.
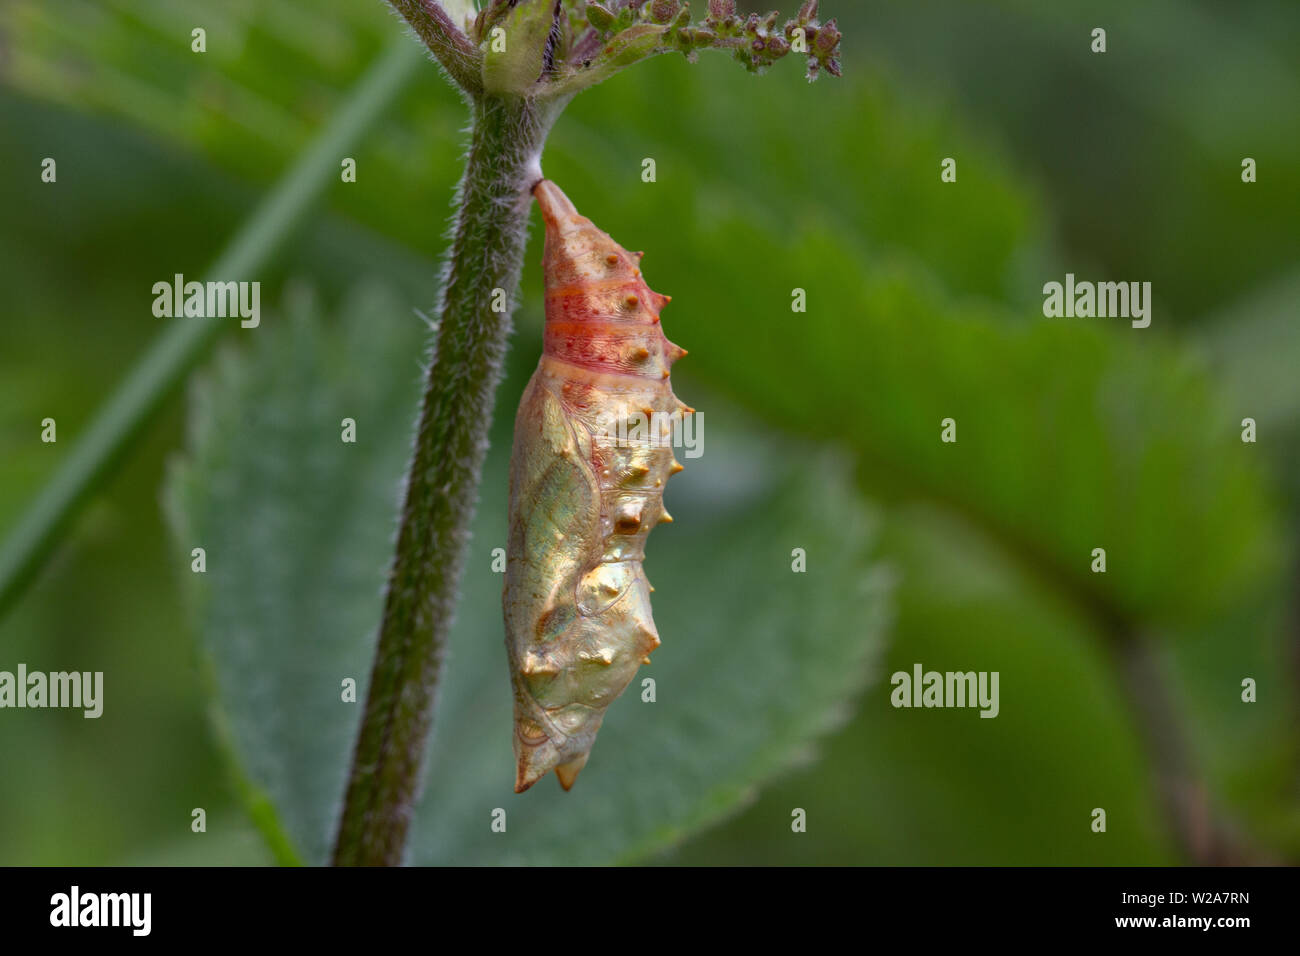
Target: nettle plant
[(518, 63)]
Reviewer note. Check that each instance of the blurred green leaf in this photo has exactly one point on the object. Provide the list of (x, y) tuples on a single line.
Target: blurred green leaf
[(272, 76), (177, 349), (1072, 434), (943, 786), (1247, 752), (1139, 148), (861, 154), (867, 147), (758, 661), (859, 157), (1018, 790), (1253, 344), (228, 841)]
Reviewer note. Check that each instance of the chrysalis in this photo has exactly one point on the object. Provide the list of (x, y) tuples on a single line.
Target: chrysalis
[(592, 452)]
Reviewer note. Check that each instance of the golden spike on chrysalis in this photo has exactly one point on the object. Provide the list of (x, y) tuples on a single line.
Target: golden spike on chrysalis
[(535, 665), (604, 656), (568, 772)]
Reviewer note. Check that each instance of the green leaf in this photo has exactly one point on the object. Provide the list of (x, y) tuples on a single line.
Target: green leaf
[(176, 349), (599, 17), (517, 67), (266, 439), (943, 787), (1072, 434), (1018, 790), (228, 841), (1254, 345), (273, 76), (757, 660), (860, 157), (624, 48), (1179, 134), (861, 154)]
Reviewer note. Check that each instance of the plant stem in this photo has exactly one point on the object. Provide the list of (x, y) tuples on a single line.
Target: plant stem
[(445, 40), (442, 482), (186, 340), (1201, 835)]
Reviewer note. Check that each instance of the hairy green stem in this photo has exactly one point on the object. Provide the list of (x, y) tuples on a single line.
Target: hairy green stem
[(442, 482), (186, 340), (458, 56)]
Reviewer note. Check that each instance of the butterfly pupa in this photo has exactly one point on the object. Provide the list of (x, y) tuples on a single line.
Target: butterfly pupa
[(592, 453)]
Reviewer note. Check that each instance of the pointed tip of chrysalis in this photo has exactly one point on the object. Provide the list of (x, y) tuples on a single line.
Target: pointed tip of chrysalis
[(558, 210), (568, 772), (525, 776), (534, 764)]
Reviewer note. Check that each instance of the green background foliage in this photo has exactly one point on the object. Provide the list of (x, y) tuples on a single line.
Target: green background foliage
[(924, 302)]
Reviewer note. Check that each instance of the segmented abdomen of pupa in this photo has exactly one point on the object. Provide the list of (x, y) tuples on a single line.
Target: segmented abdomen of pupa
[(592, 453)]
